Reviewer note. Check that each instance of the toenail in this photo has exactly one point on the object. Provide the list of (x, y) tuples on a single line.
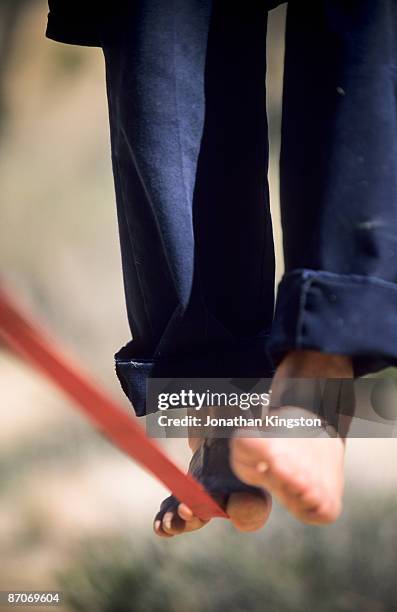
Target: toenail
[(167, 519), (262, 466)]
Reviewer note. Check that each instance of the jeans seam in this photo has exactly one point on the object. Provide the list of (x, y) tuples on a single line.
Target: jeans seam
[(301, 311), (341, 279), (155, 359), (116, 130), (131, 243)]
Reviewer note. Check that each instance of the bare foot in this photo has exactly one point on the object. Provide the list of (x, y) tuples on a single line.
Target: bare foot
[(247, 507), (305, 474)]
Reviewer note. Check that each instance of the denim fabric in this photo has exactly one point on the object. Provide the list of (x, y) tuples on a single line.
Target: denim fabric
[(95, 24), (339, 182), (186, 91)]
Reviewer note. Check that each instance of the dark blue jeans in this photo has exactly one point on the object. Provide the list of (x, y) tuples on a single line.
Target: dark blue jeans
[(186, 90)]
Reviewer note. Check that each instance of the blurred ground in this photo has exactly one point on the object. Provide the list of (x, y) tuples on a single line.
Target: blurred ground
[(59, 480)]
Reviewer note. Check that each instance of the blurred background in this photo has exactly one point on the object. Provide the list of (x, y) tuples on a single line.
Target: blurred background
[(75, 514)]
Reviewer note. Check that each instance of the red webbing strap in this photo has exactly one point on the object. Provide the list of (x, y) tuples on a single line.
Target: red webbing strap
[(27, 340)]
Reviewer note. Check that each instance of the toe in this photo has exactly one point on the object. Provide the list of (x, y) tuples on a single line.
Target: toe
[(176, 520), (248, 512), (192, 523), (326, 512), (172, 523), (185, 513), (167, 521), (158, 529)]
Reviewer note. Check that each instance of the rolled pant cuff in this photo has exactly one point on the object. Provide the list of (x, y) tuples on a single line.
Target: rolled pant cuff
[(249, 360), (338, 314)]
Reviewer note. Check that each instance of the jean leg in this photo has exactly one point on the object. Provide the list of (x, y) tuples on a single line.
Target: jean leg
[(339, 182), (185, 84)]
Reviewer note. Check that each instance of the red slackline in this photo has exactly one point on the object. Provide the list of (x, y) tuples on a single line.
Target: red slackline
[(27, 340)]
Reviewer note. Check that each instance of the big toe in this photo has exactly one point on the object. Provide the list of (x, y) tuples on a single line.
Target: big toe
[(249, 512)]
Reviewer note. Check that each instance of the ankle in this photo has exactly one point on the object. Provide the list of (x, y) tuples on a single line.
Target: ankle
[(312, 364)]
